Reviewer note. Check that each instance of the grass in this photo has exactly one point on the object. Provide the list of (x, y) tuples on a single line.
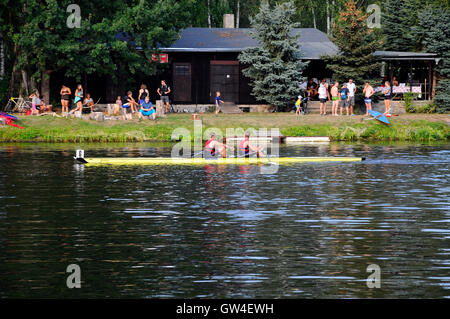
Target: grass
[(407, 127)]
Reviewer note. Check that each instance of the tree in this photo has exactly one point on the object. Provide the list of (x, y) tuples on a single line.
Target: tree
[(393, 26), (433, 29), (356, 47), (275, 67), (107, 42), (400, 22)]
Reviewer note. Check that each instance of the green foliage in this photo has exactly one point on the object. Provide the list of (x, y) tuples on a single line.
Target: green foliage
[(275, 68), (408, 99), (43, 43), (4, 92), (433, 28), (356, 46), (442, 98), (51, 129), (394, 28)]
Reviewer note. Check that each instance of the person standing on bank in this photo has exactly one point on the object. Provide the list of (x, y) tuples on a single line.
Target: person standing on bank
[(368, 92), (163, 92), (218, 101), (65, 98), (143, 93), (344, 98), (78, 99), (352, 89), (324, 96), (387, 97), (335, 98)]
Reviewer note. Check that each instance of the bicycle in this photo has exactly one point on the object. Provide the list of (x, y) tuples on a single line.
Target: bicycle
[(20, 106)]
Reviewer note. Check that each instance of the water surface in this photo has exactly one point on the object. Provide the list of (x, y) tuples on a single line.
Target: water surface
[(307, 231)]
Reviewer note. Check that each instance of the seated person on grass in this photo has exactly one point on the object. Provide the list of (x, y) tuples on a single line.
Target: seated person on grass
[(147, 109), (128, 103), (45, 108), (88, 101)]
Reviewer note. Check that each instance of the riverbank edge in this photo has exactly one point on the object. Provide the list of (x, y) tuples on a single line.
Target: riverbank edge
[(57, 130)]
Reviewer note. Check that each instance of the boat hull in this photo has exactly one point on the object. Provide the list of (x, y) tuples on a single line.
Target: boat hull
[(219, 161)]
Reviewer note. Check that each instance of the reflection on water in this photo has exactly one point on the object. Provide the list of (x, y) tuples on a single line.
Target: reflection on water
[(310, 230)]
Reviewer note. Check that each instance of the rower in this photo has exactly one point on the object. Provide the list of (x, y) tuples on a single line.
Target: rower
[(245, 147), (213, 147)]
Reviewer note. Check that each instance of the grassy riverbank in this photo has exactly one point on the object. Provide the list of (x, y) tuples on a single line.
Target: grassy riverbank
[(407, 127)]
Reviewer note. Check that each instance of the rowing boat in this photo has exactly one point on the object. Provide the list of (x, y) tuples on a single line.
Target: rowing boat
[(204, 161)]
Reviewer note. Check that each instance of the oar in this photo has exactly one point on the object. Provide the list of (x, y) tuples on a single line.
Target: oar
[(201, 152), (96, 103), (245, 155)]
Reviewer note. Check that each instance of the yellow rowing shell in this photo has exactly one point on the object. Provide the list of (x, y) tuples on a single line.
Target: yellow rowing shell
[(219, 161)]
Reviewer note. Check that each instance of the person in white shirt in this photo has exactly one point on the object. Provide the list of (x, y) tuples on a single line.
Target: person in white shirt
[(324, 95), (352, 88)]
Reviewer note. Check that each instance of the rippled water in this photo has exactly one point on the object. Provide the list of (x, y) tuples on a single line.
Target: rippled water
[(310, 230)]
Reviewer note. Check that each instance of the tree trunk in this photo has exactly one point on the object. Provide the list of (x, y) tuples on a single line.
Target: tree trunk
[(33, 85), (209, 15), (45, 86), (85, 84), (314, 18), (2, 58), (333, 8), (25, 85), (328, 17), (433, 92), (237, 14)]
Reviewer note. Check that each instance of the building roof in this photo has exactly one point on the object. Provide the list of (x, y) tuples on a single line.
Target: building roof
[(396, 55), (314, 43)]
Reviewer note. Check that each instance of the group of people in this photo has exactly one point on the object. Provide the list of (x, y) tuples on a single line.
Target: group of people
[(344, 96), (78, 101), (143, 106), (38, 105)]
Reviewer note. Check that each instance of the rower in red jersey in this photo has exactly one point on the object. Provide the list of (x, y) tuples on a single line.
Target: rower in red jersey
[(245, 147), (214, 147)]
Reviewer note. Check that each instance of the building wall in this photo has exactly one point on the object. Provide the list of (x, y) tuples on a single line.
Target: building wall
[(201, 92)]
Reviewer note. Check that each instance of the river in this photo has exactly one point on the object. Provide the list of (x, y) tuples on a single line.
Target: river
[(310, 230)]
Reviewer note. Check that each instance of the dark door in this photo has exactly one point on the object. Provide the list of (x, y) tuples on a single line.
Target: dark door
[(225, 78), (182, 82)]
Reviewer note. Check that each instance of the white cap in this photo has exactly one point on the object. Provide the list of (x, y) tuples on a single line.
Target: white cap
[(299, 96)]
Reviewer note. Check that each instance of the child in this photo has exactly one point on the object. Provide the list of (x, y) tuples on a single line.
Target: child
[(35, 102), (118, 105), (218, 101), (298, 103)]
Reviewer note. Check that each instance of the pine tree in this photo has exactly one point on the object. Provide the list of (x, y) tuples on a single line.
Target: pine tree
[(398, 23), (356, 47), (434, 22), (275, 67), (392, 25)]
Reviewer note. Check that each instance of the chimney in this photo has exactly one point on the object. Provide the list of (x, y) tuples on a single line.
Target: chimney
[(228, 21)]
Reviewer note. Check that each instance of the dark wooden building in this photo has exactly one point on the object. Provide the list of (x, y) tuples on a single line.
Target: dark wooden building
[(205, 60), (415, 71)]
